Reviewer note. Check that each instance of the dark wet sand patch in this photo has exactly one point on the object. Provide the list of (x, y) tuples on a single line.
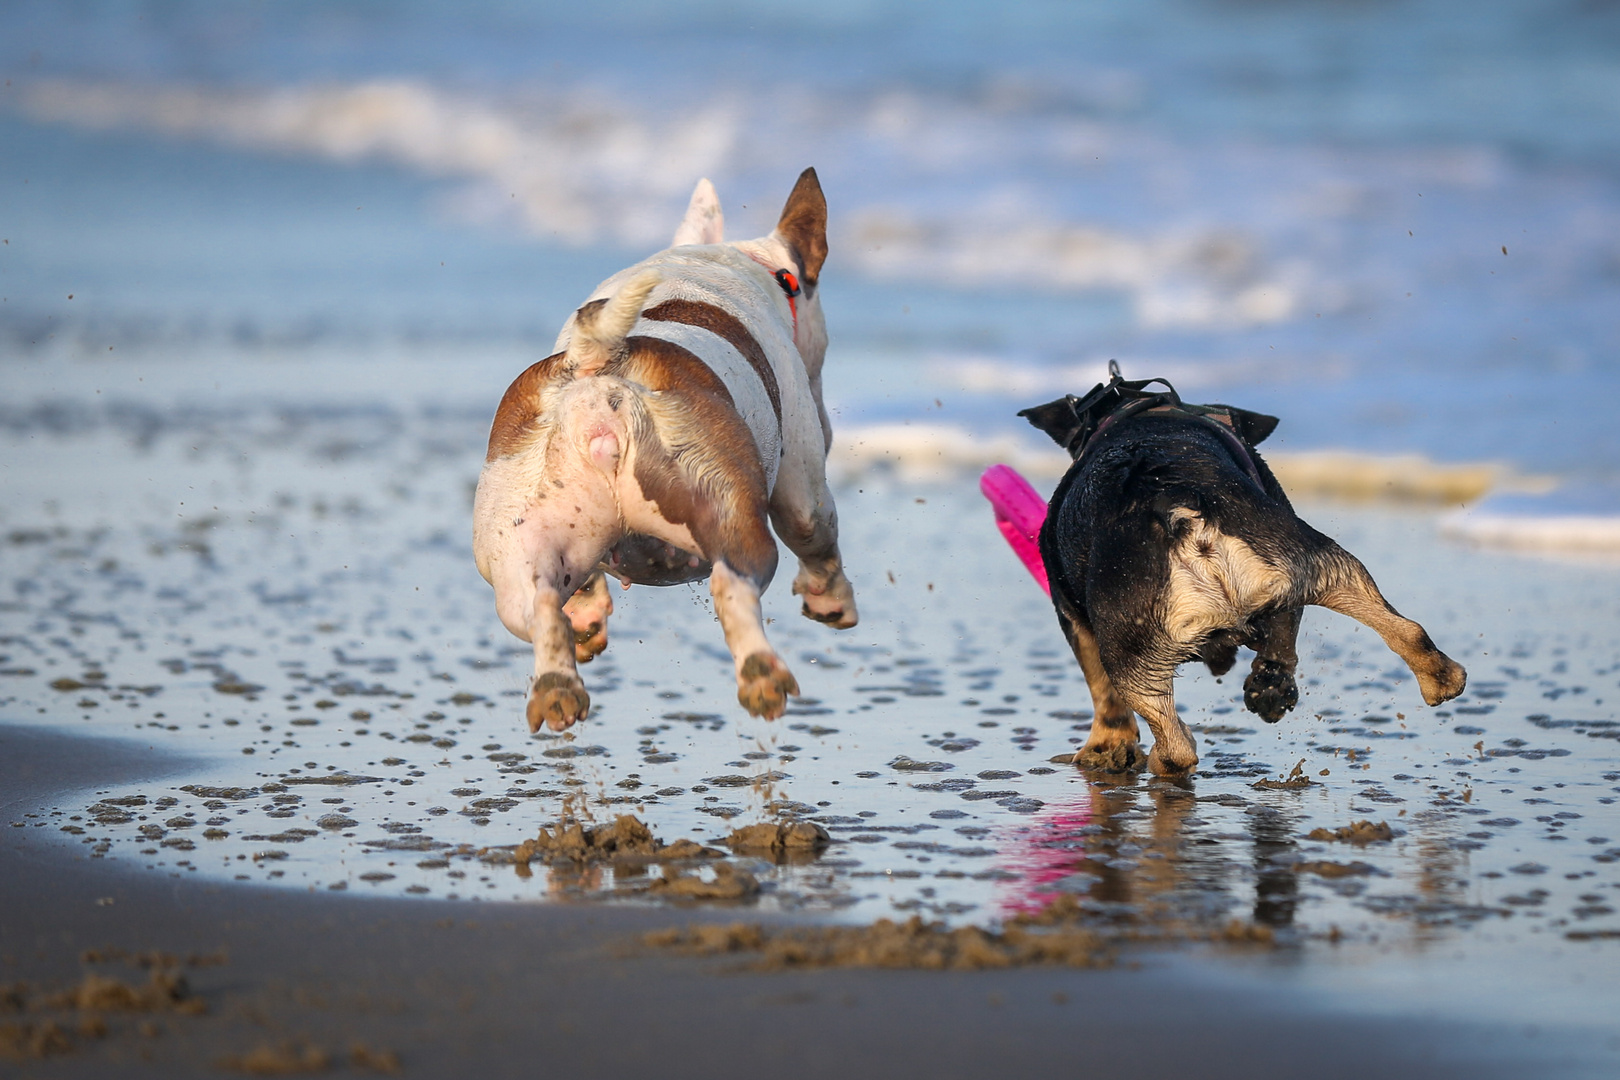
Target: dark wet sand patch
[(447, 989), (1065, 933)]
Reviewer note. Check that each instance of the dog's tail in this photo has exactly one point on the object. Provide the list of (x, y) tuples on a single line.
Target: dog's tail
[(601, 326)]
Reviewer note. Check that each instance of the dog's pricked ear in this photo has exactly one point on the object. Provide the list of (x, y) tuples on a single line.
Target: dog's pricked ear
[(1253, 426), (1056, 418), (803, 226), (703, 223)]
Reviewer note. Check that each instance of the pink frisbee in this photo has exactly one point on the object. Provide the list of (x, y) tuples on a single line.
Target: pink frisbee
[(1019, 512)]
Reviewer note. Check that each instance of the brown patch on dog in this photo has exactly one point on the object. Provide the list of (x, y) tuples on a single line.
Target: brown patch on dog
[(723, 323), (696, 459), (804, 226), (515, 425), (660, 365)]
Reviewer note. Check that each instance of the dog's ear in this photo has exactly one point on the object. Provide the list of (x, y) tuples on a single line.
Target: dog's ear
[(1253, 426), (1056, 418), (803, 226), (703, 223)]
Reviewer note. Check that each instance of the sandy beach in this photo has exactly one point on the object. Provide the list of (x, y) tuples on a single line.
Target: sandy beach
[(445, 988), (286, 724)]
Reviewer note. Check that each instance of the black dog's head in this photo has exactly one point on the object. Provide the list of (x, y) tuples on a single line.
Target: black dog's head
[(1071, 421)]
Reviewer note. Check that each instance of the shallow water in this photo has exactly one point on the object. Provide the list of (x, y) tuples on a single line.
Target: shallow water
[(308, 624), (1390, 224)]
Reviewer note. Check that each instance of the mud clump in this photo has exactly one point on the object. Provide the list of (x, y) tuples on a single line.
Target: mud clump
[(730, 882), (913, 944), (779, 841), (290, 1059), (573, 842), (21, 1042), (1294, 781), (165, 991), (1357, 832), (1328, 869), (371, 1060), (1062, 934), (282, 1059), (626, 838)]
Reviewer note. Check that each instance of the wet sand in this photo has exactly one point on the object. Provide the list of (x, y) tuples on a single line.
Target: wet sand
[(508, 989), (323, 760)]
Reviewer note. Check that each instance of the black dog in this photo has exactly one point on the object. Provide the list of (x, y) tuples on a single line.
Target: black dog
[(1169, 540)]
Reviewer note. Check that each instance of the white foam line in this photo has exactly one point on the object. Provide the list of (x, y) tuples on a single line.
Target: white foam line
[(1574, 533), (932, 452), (580, 169)]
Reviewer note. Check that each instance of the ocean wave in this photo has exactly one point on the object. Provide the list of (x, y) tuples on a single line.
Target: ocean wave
[(939, 452), (1571, 534), (1401, 478), (580, 168), (1582, 517), (575, 169), (936, 452)]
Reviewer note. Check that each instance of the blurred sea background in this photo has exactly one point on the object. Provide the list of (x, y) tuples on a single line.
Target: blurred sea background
[(1393, 223)]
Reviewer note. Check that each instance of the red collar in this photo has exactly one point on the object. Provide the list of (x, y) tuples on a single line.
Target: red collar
[(790, 287)]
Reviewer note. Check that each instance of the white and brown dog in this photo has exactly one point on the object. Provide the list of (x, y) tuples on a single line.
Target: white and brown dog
[(681, 408)]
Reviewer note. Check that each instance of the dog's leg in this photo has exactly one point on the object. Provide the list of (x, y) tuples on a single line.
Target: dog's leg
[(1270, 690), (763, 680), (807, 521), (1113, 742), (557, 697), (1343, 585), (588, 611), (1174, 753)]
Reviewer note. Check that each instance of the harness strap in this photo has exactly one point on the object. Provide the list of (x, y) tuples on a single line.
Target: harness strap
[(1132, 399)]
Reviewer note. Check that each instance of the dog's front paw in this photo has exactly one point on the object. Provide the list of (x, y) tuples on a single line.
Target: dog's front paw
[(1446, 681), (1161, 765), (557, 699), (763, 685), (1112, 757), (833, 603), (1269, 691)]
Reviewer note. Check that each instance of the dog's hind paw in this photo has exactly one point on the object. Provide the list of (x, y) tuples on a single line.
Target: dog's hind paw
[(557, 700), (1113, 757), (763, 685), (1269, 691), (590, 642), (832, 604)]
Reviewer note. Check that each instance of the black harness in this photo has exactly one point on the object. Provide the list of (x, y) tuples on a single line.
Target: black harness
[(1107, 405)]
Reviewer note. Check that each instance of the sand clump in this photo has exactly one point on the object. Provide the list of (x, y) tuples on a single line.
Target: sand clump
[(1294, 781), (628, 840), (164, 991), (292, 1059), (1058, 935), (730, 882), (79, 1011), (914, 944), (1357, 832), (627, 837), (1331, 870), (777, 839)]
